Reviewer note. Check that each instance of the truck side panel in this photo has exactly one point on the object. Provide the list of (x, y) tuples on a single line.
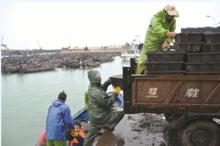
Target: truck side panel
[(168, 92)]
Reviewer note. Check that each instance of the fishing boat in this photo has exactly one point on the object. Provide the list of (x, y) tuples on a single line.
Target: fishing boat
[(134, 52)]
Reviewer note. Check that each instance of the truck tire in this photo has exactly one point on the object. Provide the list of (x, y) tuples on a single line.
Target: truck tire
[(200, 133)]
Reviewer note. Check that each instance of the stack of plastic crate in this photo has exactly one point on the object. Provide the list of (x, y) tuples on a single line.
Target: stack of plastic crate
[(202, 48), (197, 52), (189, 42), (173, 62), (200, 29), (208, 60), (165, 62)]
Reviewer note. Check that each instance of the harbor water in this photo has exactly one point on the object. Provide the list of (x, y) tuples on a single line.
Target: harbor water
[(26, 98)]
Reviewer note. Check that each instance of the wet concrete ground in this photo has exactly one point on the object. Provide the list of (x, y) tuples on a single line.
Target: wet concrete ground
[(136, 130)]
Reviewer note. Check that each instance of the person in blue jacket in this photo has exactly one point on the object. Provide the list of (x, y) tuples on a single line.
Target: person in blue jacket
[(59, 119)]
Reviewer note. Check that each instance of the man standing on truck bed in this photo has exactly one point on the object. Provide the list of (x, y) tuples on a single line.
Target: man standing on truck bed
[(159, 35)]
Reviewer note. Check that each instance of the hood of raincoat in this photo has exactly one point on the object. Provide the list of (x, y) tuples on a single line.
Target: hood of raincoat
[(94, 77), (57, 103)]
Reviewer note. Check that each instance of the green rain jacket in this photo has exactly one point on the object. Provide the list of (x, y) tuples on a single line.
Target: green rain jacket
[(156, 34), (98, 101)]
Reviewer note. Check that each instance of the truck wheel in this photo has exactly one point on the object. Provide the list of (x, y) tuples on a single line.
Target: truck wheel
[(200, 133)]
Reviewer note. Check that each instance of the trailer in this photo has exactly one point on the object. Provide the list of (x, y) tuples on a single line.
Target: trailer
[(190, 103)]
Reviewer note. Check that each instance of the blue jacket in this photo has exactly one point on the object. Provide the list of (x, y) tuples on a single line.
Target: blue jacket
[(58, 120)]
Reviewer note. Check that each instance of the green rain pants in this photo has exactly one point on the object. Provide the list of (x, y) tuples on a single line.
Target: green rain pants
[(111, 121), (141, 61), (141, 65), (56, 142)]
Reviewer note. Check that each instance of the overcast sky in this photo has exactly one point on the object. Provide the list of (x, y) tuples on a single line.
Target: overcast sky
[(52, 24)]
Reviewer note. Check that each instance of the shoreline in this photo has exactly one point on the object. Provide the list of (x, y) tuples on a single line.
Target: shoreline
[(29, 61)]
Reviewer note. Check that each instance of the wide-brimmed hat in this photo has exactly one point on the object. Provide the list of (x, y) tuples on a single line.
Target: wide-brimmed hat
[(171, 10)]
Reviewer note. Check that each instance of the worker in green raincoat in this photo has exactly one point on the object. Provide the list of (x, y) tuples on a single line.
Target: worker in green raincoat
[(160, 34), (100, 104)]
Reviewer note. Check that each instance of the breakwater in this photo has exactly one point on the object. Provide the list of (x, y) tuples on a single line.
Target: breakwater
[(28, 61)]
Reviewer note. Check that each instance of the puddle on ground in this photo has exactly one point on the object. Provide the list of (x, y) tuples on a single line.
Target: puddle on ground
[(136, 130)]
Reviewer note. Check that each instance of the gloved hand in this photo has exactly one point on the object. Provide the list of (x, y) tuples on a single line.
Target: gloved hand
[(116, 89), (171, 34), (74, 133), (165, 46)]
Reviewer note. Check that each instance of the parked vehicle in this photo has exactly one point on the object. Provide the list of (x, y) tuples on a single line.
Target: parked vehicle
[(190, 103)]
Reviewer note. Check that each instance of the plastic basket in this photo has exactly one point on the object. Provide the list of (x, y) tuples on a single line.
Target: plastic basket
[(165, 56), (203, 68), (203, 57), (212, 37), (214, 47), (189, 47), (189, 37), (164, 66)]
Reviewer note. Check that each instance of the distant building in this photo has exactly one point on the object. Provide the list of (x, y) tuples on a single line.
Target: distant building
[(66, 48), (4, 46)]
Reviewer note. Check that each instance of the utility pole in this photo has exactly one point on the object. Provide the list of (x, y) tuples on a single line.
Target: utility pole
[(1, 42), (39, 45), (3, 46)]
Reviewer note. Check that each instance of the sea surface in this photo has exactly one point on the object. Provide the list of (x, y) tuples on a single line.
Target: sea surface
[(26, 98)]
